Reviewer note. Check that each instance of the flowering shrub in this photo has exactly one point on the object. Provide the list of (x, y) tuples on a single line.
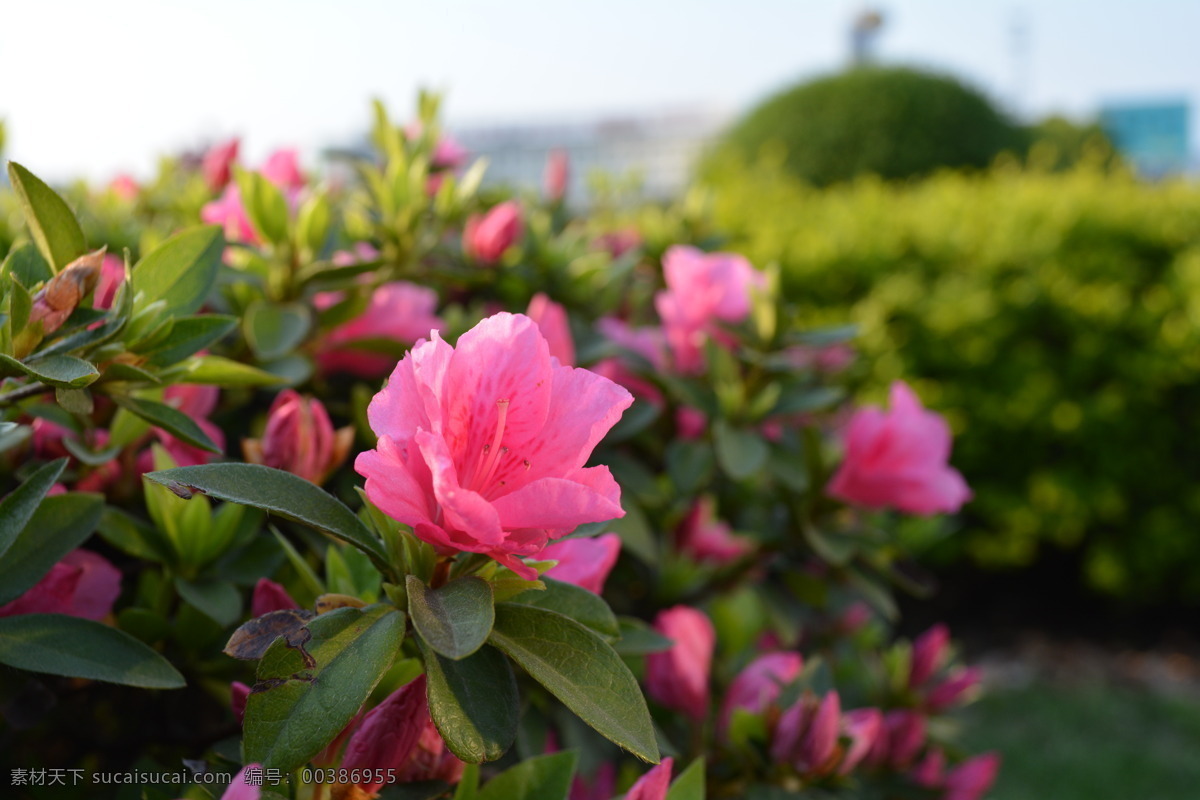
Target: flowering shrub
[(457, 534)]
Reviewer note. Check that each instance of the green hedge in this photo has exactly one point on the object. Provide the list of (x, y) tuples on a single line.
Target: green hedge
[(1054, 317)]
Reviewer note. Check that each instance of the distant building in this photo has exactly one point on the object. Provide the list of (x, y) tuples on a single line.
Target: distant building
[(1152, 135)]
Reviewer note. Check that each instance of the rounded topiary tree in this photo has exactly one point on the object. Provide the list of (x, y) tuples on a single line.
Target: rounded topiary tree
[(895, 122)]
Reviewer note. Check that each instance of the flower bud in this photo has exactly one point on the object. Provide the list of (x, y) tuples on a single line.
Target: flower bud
[(486, 237), (269, 596), (217, 166), (283, 169), (678, 677), (863, 726), (707, 539), (954, 690), (928, 653), (300, 438), (62, 293), (389, 732), (654, 784), (807, 734), (757, 687), (557, 176), (239, 693), (971, 779)]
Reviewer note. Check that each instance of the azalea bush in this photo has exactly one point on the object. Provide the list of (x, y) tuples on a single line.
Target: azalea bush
[(387, 485)]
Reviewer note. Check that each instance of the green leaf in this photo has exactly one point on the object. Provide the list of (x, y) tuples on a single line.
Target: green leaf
[(54, 228), (586, 608), (581, 670), (218, 600), (60, 524), (539, 778), (20, 505), (26, 264), (180, 271), (76, 401), (798, 400), (118, 371), (454, 619), (265, 206), (57, 644), (305, 696), (133, 536), (171, 420), (690, 783), (312, 222), (66, 371), (638, 638), (474, 703), (20, 304), (278, 492), (221, 371), (275, 330), (189, 335), (741, 453)]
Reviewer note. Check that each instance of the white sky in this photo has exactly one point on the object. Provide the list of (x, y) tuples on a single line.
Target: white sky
[(93, 88)]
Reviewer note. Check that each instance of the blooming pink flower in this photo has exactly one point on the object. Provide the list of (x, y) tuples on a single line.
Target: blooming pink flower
[(398, 311), (229, 212), (218, 164), (962, 682), (112, 275), (481, 447), (898, 459), (82, 584), (269, 596), (654, 784), (124, 186), (300, 439), (807, 734), (702, 291), (971, 779), (862, 726), (389, 733), (487, 236), (584, 562), (928, 653), (551, 319), (678, 678), (283, 169), (705, 538), (757, 687), (558, 173)]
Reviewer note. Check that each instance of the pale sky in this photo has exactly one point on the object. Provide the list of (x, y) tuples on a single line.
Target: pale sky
[(94, 88)]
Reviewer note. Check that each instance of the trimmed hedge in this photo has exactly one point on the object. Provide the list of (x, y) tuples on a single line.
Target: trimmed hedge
[(1054, 317)]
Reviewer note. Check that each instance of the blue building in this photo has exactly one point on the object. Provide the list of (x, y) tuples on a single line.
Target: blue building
[(1152, 135)]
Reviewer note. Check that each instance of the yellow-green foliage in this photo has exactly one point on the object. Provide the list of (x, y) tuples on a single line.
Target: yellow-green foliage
[(1053, 317)]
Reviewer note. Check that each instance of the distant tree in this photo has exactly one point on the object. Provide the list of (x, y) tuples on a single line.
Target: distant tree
[(1057, 143)]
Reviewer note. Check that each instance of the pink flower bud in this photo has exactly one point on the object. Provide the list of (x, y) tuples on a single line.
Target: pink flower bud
[(551, 319), (971, 779), (690, 423), (430, 760), (218, 164), (654, 784), (898, 459), (487, 237), (955, 689), (283, 169), (124, 187), (757, 687), (583, 562), (600, 786), (448, 154), (931, 770), (83, 584), (807, 734), (707, 539), (863, 726), (239, 693), (269, 596), (300, 438), (905, 737), (112, 275), (558, 171), (240, 789), (389, 732), (854, 618), (928, 653), (678, 677)]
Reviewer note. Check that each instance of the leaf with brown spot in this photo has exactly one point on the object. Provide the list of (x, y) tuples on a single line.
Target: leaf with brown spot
[(252, 639)]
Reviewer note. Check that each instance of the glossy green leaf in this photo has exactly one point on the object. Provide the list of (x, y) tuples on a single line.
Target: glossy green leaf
[(690, 783), (474, 703), (741, 453), (58, 370), (586, 608), (274, 330), (539, 778), (638, 638), (305, 696), (217, 599), (26, 264), (278, 492), (19, 506), (57, 644), (799, 400), (51, 223), (265, 206), (59, 525), (221, 371), (454, 619), (189, 335), (581, 670), (132, 536), (171, 420), (180, 271), (20, 304), (312, 222)]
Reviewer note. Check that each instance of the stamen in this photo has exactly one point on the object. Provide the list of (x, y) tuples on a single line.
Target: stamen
[(493, 451)]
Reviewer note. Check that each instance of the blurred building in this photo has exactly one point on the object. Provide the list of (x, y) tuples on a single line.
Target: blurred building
[(1153, 136)]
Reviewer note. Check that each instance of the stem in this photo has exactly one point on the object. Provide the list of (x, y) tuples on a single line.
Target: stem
[(441, 573), (29, 390)]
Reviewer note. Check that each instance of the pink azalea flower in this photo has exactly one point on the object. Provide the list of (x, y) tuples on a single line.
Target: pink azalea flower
[(399, 311), (83, 584), (486, 237), (931, 770), (389, 733), (902, 737), (898, 459), (707, 539), (197, 401), (678, 678), (360, 251), (557, 175), (862, 726), (690, 423), (218, 164), (600, 786), (955, 689), (972, 779), (431, 760), (584, 562), (807, 734), (228, 212), (448, 154), (482, 447), (124, 186), (654, 784), (240, 789), (300, 439), (283, 169), (928, 653), (854, 618), (702, 291), (112, 275), (551, 319), (757, 687), (269, 596)]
